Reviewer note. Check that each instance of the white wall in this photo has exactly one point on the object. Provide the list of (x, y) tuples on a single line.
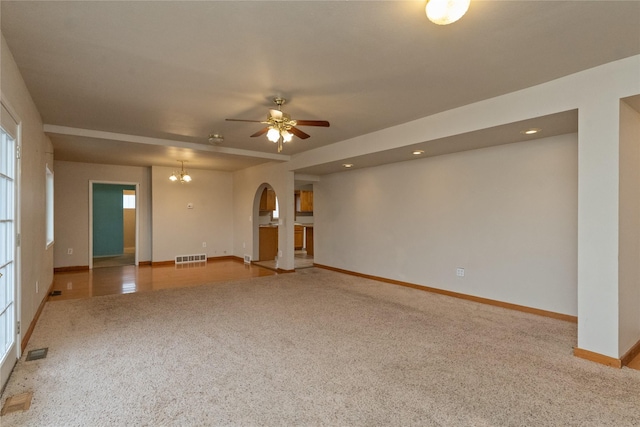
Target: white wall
[(178, 230), (36, 262), (247, 186), (71, 215), (629, 258), (506, 214), (596, 94)]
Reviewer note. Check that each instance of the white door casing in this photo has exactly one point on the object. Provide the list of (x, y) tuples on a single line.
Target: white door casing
[(9, 242)]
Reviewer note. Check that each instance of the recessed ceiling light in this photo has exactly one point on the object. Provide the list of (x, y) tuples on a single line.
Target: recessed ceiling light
[(530, 131), (347, 165), (417, 152)]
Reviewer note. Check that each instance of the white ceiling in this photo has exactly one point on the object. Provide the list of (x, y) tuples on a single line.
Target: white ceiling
[(143, 83)]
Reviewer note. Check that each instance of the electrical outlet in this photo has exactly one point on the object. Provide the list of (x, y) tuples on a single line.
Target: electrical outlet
[(69, 285), (70, 251), (204, 244), (460, 272)]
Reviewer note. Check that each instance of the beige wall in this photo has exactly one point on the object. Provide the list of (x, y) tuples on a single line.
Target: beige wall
[(178, 230), (506, 214), (72, 208), (129, 231), (247, 187), (35, 260), (629, 257)]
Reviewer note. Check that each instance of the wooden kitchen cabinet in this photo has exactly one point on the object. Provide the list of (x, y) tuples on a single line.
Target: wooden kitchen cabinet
[(298, 237), (268, 243), (304, 201), (268, 200), (309, 236)]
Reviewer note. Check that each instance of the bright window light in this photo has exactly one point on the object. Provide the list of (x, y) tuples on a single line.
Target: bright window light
[(276, 212), (128, 201), (49, 204)]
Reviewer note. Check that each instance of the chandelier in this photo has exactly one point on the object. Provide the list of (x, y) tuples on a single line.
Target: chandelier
[(182, 176)]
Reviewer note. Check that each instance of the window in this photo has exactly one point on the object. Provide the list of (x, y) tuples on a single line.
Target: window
[(129, 199), (49, 204), (276, 211)]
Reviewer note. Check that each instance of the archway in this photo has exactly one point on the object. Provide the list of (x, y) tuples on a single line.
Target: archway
[(266, 250)]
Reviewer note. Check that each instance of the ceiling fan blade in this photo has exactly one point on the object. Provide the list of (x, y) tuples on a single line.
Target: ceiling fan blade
[(260, 132), (297, 132), (242, 120), (322, 123)]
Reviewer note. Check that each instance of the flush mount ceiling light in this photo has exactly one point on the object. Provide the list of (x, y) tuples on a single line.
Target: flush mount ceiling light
[(182, 176), (530, 131), (417, 152), (215, 138), (444, 12), (347, 165)]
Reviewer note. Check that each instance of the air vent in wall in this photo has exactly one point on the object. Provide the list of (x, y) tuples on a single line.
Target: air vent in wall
[(180, 259)]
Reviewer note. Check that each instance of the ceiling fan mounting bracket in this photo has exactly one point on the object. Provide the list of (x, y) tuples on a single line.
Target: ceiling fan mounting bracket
[(279, 101)]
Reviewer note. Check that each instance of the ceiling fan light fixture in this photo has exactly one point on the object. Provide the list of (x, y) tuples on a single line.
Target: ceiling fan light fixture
[(444, 12), (286, 136), (273, 134)]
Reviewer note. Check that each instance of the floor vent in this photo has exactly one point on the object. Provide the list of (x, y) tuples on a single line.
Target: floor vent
[(19, 402), (247, 259), (40, 353), (191, 258), (194, 264), (55, 293)]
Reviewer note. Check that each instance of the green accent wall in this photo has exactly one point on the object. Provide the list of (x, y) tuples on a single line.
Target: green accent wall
[(108, 219)]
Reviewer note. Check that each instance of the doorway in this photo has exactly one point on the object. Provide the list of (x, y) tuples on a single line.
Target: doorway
[(303, 225), (114, 224), (9, 232), (266, 227)]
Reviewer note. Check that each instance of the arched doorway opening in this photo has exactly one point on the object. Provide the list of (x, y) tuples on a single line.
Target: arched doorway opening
[(266, 212)]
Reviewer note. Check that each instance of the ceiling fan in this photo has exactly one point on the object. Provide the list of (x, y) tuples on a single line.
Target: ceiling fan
[(280, 127)]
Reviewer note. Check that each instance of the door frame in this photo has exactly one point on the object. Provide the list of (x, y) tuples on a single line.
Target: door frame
[(17, 290), (137, 185)]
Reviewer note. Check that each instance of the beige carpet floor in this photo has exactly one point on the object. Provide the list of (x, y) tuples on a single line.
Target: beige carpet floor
[(311, 348)]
